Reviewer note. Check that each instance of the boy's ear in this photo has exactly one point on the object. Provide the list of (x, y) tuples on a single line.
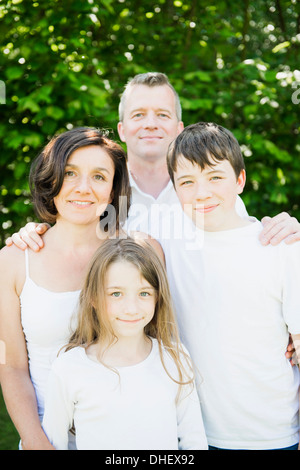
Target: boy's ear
[(241, 181)]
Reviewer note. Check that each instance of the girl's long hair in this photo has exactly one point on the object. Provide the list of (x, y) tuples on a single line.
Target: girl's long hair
[(92, 323)]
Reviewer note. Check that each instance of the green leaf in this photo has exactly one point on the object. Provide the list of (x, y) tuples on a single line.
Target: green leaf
[(13, 73)]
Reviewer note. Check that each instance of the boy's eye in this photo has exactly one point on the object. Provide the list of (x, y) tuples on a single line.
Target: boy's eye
[(185, 183), (215, 178)]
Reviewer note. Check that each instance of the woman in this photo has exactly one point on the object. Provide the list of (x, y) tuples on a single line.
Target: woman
[(79, 177)]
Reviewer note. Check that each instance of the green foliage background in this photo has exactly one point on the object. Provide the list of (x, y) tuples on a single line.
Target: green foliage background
[(64, 64)]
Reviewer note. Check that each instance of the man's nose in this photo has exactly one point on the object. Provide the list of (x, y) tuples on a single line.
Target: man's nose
[(150, 120)]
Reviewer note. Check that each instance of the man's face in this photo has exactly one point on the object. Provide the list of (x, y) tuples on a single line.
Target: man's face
[(150, 123)]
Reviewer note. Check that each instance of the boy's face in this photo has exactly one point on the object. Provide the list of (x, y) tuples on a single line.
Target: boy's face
[(208, 196)]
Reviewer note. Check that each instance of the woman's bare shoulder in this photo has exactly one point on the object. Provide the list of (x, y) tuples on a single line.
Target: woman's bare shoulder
[(151, 241), (12, 262)]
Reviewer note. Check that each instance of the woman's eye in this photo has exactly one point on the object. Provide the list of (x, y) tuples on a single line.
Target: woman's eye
[(69, 173), (98, 177)]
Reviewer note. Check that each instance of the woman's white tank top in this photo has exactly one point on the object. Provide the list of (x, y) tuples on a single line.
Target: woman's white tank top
[(46, 318)]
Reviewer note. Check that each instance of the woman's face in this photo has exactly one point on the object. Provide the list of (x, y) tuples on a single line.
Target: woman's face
[(88, 186)]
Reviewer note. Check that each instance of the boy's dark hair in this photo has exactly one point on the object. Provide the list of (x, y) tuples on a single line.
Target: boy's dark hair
[(48, 171), (204, 143)]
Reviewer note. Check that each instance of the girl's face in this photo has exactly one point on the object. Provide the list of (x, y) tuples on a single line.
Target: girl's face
[(87, 187), (130, 299)]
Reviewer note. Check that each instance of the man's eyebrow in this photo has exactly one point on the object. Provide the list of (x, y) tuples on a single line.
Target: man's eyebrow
[(142, 108)]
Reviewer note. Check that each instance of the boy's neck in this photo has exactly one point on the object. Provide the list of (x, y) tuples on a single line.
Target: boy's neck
[(234, 223)]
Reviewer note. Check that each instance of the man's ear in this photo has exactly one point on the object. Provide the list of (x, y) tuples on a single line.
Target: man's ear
[(241, 181), (120, 131)]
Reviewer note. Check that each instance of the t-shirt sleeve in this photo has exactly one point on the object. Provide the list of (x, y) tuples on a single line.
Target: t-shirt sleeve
[(59, 408), (190, 427), (291, 287)]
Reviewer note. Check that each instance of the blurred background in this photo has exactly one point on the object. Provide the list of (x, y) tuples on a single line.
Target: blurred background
[(64, 64)]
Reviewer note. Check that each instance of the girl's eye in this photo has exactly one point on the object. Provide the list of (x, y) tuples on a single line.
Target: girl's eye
[(116, 294), (144, 294), (185, 183)]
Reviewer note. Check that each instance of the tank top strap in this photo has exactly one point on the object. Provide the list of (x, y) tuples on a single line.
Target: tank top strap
[(27, 264)]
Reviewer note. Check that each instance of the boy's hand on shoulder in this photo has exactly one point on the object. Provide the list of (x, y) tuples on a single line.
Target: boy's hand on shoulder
[(29, 236), (278, 228)]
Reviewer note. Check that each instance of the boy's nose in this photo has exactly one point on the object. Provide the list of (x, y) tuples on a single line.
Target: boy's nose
[(202, 191)]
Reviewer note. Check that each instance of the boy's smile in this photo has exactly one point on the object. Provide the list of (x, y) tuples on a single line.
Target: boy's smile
[(208, 196)]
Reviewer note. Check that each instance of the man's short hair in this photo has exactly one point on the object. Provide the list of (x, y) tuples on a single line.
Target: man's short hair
[(205, 143), (150, 79)]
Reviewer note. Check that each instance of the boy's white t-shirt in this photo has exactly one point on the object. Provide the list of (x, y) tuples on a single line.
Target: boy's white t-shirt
[(129, 408), (236, 302)]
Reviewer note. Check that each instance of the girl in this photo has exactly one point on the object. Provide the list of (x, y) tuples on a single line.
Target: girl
[(124, 380), (79, 177)]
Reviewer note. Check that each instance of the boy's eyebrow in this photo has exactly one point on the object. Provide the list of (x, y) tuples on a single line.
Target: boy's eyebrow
[(184, 176), (209, 173)]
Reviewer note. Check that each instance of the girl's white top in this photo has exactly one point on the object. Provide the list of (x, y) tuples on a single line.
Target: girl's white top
[(130, 407), (46, 320)]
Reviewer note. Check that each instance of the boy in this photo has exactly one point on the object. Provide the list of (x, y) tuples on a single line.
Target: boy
[(236, 300)]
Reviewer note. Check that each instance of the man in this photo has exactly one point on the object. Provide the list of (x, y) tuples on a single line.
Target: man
[(150, 119)]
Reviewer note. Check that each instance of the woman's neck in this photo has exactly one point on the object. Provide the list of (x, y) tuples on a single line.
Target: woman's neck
[(74, 237)]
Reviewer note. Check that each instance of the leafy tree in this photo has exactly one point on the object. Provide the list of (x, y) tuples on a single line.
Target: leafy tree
[(64, 64)]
